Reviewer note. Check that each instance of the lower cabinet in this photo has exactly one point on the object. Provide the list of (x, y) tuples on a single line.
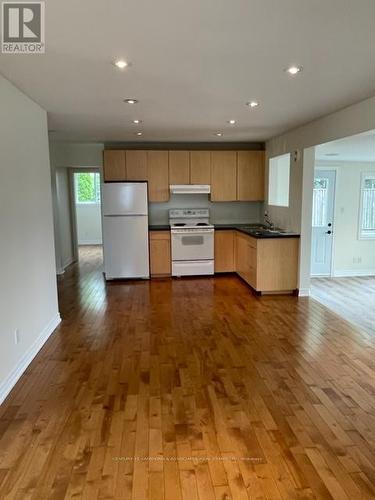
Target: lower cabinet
[(246, 258), (224, 251), (268, 265), (160, 253)]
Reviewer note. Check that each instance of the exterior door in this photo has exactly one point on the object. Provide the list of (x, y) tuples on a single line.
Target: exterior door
[(322, 222)]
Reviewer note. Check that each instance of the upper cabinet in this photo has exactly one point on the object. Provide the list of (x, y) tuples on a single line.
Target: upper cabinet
[(136, 165), (233, 175), (158, 175), (223, 176), (200, 167), (179, 167), (114, 165), (250, 175)]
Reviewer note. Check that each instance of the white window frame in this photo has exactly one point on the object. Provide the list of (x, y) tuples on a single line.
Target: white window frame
[(75, 177), (362, 235)]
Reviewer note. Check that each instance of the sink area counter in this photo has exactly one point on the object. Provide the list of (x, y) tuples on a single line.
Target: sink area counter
[(258, 231)]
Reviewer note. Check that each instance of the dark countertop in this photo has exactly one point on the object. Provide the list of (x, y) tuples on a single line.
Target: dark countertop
[(247, 229), (159, 227), (243, 228)]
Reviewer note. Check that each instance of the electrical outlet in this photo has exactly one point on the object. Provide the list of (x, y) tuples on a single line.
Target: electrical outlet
[(16, 336)]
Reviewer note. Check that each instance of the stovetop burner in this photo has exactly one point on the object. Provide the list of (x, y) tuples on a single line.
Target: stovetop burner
[(179, 224), (202, 224)]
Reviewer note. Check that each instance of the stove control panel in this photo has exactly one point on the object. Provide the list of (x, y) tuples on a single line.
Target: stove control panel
[(190, 213)]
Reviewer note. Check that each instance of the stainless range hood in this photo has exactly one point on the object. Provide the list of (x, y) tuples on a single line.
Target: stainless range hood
[(190, 188)]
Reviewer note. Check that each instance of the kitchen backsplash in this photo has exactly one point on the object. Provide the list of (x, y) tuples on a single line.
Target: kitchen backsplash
[(220, 213)]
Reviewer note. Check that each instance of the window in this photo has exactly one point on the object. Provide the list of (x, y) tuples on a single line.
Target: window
[(87, 187), (367, 214), (320, 195), (278, 181)]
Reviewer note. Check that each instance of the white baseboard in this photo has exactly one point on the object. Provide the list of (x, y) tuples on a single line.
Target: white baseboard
[(15, 374), (304, 292), (61, 270), (342, 273)]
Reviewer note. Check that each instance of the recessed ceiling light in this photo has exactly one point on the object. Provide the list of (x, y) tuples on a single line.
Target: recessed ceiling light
[(231, 122), (137, 121), (121, 64), (131, 101), (294, 70), (139, 133), (219, 134), (252, 104)]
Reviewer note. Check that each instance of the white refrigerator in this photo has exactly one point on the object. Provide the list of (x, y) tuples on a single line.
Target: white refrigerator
[(125, 230)]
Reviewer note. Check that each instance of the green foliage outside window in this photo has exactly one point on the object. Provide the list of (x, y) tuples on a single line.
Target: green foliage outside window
[(87, 187)]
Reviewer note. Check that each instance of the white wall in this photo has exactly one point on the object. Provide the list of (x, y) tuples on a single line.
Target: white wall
[(71, 154), (28, 294), (348, 248), (89, 223), (64, 156), (65, 218), (349, 121)]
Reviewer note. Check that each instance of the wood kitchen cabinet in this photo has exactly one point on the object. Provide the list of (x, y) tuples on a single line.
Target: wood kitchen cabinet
[(136, 165), (114, 165), (179, 167), (268, 265), (223, 176), (250, 175), (200, 167), (224, 251), (158, 176), (160, 253), (246, 258)]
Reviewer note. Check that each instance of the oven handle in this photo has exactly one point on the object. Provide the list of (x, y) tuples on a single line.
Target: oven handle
[(208, 231)]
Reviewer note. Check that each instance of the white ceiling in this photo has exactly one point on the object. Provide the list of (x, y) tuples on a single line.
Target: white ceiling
[(195, 64), (357, 148)]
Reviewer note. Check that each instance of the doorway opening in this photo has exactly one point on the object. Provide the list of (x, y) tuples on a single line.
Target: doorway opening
[(343, 228), (87, 210)]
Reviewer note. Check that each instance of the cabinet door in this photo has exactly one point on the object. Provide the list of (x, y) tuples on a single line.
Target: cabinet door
[(179, 167), (241, 253), (200, 167), (246, 258), (136, 165), (250, 175), (158, 175), (160, 253), (114, 165), (224, 251), (278, 264), (223, 175)]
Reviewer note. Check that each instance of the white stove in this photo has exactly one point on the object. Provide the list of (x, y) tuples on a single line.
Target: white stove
[(192, 240)]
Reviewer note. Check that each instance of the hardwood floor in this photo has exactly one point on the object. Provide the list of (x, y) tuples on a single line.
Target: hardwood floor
[(243, 397), (351, 298)]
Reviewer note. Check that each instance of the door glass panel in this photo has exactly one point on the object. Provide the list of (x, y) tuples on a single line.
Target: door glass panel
[(192, 240), (320, 200)]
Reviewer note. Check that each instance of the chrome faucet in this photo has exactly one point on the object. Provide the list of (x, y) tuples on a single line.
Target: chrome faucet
[(268, 221)]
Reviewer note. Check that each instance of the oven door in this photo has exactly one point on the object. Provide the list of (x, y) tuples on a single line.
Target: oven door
[(192, 245)]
